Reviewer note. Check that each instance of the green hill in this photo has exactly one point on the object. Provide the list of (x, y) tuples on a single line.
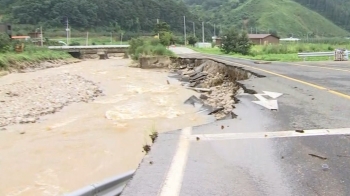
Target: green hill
[(138, 16), (335, 10), (286, 17)]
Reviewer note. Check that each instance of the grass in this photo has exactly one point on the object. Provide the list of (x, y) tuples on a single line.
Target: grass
[(282, 52), (30, 54)]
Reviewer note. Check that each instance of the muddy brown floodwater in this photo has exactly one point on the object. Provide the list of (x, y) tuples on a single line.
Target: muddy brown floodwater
[(88, 142)]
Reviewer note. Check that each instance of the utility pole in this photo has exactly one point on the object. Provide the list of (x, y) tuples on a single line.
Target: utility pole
[(70, 34), (214, 30), (87, 38), (158, 27), (251, 30), (194, 30), (121, 38), (67, 30), (185, 28), (202, 32), (41, 36), (256, 30)]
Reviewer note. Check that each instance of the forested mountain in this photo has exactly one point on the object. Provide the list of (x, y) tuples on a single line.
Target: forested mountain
[(337, 11), (285, 17), (126, 15)]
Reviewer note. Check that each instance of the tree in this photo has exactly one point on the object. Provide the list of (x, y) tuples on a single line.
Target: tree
[(243, 44), (234, 42), (229, 41), (166, 38), (192, 40), (274, 32), (4, 42), (161, 28)]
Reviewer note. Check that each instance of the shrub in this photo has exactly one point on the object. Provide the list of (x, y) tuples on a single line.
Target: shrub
[(330, 48), (74, 44), (159, 50), (154, 42), (139, 47), (5, 42)]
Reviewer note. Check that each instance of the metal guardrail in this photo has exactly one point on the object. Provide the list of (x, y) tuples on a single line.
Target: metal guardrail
[(304, 55), (88, 47), (110, 187)]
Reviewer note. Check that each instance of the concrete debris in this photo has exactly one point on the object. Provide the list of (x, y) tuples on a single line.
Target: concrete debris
[(25, 102), (203, 97), (317, 156), (218, 89), (262, 62), (325, 167)]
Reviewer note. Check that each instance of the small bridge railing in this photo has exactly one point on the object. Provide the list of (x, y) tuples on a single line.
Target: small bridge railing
[(113, 186)]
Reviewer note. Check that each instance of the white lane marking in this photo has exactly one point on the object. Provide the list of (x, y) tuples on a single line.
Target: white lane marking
[(269, 104), (273, 95), (173, 181), (260, 97), (267, 135)]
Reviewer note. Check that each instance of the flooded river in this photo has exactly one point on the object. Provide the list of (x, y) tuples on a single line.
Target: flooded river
[(89, 142)]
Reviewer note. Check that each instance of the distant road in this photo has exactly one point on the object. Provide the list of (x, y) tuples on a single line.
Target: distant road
[(182, 50), (260, 152)]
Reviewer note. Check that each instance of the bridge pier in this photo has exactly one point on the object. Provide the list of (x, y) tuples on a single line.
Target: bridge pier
[(103, 55), (75, 54), (126, 55)]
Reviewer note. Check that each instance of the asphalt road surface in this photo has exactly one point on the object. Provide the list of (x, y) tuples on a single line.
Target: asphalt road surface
[(260, 152)]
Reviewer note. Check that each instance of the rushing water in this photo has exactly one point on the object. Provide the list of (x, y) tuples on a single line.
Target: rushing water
[(88, 142)]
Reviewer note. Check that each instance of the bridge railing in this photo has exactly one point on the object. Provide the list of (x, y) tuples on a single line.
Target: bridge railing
[(88, 47), (112, 186)]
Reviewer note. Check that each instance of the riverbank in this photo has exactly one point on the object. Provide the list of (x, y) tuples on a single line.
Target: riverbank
[(30, 57)]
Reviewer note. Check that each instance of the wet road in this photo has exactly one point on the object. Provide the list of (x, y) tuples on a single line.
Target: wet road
[(259, 153)]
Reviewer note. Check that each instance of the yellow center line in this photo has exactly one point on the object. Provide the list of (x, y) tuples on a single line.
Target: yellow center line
[(289, 78)]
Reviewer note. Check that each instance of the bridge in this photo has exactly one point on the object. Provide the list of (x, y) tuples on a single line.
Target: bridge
[(101, 50)]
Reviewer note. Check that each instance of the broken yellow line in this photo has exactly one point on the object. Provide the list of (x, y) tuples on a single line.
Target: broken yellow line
[(290, 78)]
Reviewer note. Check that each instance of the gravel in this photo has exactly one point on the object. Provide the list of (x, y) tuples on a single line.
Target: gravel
[(26, 101)]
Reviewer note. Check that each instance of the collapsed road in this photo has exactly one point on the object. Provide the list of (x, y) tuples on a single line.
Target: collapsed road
[(290, 137)]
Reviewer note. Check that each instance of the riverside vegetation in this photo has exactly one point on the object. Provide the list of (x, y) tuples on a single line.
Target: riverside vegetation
[(153, 46), (31, 53)]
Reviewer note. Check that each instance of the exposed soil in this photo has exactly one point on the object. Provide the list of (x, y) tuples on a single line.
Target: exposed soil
[(24, 67)]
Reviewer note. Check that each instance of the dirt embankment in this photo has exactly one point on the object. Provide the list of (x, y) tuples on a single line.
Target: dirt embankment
[(23, 67)]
